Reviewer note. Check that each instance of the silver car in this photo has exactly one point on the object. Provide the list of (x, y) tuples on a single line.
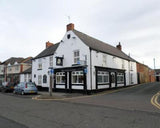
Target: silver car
[(25, 88)]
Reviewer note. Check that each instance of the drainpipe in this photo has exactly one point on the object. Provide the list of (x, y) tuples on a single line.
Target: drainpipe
[(90, 69), (129, 72)]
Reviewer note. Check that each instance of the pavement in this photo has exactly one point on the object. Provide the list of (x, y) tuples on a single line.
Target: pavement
[(43, 95)]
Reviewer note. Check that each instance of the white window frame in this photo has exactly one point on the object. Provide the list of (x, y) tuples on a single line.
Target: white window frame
[(25, 77), (40, 64), (77, 74), (76, 57), (9, 68), (103, 74), (51, 61), (60, 76), (104, 58), (123, 64), (39, 79), (16, 67), (120, 77)]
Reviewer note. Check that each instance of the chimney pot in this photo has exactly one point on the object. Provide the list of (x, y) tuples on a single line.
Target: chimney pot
[(70, 27)]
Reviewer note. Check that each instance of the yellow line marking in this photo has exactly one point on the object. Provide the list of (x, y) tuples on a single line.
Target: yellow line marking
[(154, 100), (80, 97)]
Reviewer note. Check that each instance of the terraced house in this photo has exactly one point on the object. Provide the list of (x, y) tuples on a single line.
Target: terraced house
[(11, 68), (81, 62)]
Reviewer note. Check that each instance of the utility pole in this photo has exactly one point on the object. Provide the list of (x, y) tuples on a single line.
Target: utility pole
[(51, 73)]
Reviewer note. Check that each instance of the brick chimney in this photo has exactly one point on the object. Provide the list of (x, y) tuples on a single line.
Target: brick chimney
[(48, 44), (119, 47), (70, 26)]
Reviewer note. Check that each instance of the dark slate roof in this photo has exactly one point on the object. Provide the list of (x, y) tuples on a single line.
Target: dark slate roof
[(27, 71), (12, 60), (48, 51), (101, 46)]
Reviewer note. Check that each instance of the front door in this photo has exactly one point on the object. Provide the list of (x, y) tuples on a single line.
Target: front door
[(113, 79)]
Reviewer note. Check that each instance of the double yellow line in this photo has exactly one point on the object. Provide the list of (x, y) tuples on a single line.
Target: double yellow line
[(154, 100)]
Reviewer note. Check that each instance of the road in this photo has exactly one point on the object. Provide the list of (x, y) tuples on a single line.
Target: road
[(126, 108)]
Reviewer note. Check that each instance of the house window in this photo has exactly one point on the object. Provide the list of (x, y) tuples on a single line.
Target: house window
[(123, 65), (39, 79), (9, 69), (76, 57), (103, 77), (39, 64), (60, 78), (44, 78), (120, 77), (77, 77), (16, 67), (51, 61), (25, 77)]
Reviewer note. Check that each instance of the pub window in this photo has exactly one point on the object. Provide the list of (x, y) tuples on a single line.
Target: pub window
[(120, 77), (76, 56), (123, 64), (104, 58), (77, 77), (60, 78), (44, 78), (51, 61), (103, 77)]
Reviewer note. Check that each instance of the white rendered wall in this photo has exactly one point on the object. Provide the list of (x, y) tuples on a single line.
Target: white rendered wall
[(113, 62), (45, 68), (67, 48)]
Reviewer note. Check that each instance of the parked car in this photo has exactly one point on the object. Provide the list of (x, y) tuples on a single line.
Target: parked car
[(25, 88), (7, 87)]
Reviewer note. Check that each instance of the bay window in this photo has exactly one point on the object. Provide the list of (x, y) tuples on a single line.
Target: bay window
[(103, 77), (77, 77), (120, 77), (60, 78)]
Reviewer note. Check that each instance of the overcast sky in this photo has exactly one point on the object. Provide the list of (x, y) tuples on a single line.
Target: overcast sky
[(25, 25)]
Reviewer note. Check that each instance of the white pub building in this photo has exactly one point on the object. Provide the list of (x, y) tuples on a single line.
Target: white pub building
[(81, 62)]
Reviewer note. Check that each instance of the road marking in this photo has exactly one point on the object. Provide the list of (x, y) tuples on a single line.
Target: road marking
[(81, 97), (154, 100)]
